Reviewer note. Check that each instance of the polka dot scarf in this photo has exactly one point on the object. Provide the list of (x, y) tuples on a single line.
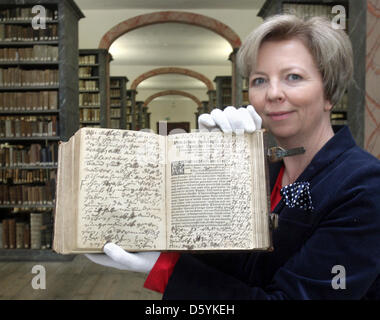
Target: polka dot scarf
[(297, 195)]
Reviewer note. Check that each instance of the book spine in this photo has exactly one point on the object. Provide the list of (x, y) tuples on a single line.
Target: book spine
[(1, 235), (27, 236), (20, 226), (12, 234), (35, 230), (5, 233)]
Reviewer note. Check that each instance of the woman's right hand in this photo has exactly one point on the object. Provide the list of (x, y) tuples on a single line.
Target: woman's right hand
[(231, 120)]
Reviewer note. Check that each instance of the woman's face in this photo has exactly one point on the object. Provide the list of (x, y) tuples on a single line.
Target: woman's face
[(286, 90)]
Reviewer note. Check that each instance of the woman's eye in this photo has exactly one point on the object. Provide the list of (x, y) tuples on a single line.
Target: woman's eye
[(294, 77), (258, 81)]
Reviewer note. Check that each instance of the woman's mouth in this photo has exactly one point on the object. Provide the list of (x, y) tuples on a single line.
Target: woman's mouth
[(276, 116)]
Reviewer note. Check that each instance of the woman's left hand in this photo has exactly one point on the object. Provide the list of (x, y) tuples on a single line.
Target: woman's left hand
[(231, 120), (116, 257)]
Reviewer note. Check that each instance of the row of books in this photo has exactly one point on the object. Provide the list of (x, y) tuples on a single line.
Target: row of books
[(308, 10), (44, 53), (93, 125), (31, 126), (28, 100), (245, 97), (115, 124), (339, 117), (114, 83), (28, 155), (88, 85), (115, 93), (89, 99), (10, 33), (87, 72), (28, 194), (115, 113), (25, 14), (88, 59), (20, 77), (33, 234), (89, 114), (24, 176), (115, 102), (226, 100)]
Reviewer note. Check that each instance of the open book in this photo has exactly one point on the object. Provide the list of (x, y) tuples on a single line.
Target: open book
[(148, 192)]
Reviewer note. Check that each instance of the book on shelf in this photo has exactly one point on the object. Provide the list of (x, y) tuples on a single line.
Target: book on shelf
[(14, 77), (13, 156), (144, 191), (88, 85), (27, 195), (26, 14), (36, 53), (24, 33), (5, 234), (89, 114), (29, 101), (12, 233), (309, 10), (89, 99), (36, 233), (28, 126), (87, 59)]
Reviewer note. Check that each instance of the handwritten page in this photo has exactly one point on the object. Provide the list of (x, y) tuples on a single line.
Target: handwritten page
[(122, 189), (209, 190)]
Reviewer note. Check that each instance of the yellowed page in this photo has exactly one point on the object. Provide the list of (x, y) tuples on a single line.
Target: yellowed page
[(58, 217), (64, 224), (122, 193), (260, 188), (209, 197)]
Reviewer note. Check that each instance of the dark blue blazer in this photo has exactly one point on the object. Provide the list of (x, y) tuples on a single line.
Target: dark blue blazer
[(343, 230)]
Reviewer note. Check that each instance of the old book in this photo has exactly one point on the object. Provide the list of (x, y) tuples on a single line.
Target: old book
[(5, 235), (20, 226), (147, 192), (35, 230), (1, 235), (27, 236), (12, 233)]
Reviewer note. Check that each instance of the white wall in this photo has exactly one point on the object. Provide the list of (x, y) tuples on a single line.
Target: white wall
[(172, 110)]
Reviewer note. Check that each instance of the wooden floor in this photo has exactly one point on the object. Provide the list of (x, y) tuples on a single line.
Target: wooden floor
[(79, 279)]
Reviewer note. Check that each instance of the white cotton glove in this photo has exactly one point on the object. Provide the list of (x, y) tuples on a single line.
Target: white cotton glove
[(230, 120), (117, 257)]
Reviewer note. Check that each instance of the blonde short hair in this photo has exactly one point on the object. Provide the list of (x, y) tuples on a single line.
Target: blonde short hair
[(331, 49)]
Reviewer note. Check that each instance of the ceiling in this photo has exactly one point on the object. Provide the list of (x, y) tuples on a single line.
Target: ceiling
[(169, 44), (169, 4)]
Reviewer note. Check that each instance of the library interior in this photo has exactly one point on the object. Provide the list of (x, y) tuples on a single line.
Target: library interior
[(134, 65)]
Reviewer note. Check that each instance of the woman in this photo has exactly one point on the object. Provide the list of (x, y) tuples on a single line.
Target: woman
[(298, 70)]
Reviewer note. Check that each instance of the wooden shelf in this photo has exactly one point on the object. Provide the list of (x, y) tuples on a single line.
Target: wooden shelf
[(119, 121), (98, 74), (29, 88), (33, 255), (27, 43), (28, 112)]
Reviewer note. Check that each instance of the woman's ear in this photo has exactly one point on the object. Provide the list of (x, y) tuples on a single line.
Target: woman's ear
[(328, 106)]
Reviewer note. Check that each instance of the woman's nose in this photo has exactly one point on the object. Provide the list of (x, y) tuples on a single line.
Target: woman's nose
[(275, 92)]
